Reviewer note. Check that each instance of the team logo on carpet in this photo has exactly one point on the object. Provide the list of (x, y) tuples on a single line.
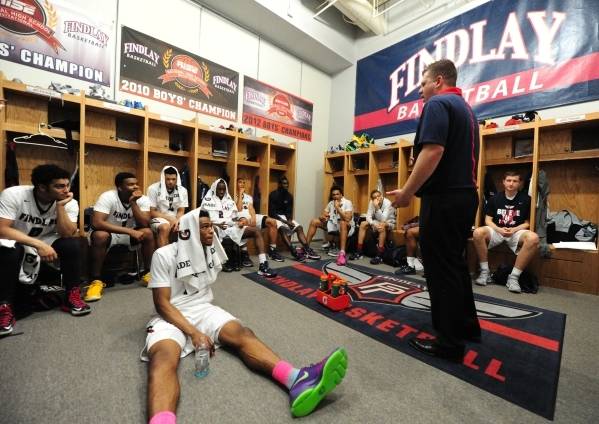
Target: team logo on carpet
[(387, 289)]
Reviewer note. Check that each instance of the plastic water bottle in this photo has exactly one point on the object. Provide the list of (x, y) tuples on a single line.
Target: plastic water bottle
[(202, 360)]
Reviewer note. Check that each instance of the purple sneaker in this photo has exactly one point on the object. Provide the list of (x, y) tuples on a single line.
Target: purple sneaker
[(314, 382)]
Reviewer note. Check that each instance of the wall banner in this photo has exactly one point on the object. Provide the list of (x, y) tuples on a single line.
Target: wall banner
[(56, 36), (271, 109), (159, 71), (512, 56)]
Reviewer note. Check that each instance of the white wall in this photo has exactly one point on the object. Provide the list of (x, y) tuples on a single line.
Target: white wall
[(197, 30), (343, 84)]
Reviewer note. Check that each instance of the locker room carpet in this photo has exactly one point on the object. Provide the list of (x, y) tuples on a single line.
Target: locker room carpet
[(87, 370), (521, 346)]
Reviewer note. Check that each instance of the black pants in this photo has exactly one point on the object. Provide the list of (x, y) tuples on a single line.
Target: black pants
[(68, 251), (445, 223)]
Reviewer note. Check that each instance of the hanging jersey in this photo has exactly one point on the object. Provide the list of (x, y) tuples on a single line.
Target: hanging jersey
[(119, 213), (38, 221), (174, 200)]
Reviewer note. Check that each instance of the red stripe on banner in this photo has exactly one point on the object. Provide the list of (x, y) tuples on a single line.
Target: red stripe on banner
[(522, 336), (502, 330), (573, 71)]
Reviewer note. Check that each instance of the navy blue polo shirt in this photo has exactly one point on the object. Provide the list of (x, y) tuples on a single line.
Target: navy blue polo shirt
[(449, 121)]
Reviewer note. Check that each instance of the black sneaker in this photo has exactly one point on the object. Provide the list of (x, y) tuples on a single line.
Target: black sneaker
[(265, 271), (311, 254), (74, 304), (246, 262), (377, 260), (7, 319), (354, 256), (299, 254), (228, 266), (274, 255), (405, 270)]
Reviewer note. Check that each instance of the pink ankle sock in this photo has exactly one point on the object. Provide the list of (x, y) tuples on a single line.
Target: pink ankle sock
[(284, 373), (164, 417)]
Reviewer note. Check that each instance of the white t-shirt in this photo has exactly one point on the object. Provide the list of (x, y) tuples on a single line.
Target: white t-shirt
[(176, 199), (385, 214), (18, 204), (346, 206), (164, 274), (246, 202), (119, 213)]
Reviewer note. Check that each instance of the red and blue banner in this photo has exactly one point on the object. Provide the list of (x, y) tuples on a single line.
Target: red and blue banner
[(512, 56)]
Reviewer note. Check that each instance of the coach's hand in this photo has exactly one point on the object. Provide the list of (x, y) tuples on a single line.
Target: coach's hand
[(402, 199)]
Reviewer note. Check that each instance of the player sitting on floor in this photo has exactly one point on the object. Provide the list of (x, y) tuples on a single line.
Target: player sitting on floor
[(187, 319)]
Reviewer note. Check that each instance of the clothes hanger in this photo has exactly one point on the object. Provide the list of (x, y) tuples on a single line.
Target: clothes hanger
[(32, 138)]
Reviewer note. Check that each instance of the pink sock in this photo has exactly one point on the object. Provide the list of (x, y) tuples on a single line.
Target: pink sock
[(164, 417), (284, 373)]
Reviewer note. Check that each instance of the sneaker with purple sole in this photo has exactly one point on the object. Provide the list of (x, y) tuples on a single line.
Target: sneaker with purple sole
[(314, 382)]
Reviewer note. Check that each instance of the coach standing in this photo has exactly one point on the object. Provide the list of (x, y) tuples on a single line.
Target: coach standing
[(444, 176)]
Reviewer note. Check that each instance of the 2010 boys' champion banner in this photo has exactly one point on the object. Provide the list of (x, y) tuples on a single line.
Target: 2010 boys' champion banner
[(275, 110), (58, 36), (159, 71), (512, 56)]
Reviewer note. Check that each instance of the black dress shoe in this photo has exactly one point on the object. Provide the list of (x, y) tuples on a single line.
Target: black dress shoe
[(433, 348)]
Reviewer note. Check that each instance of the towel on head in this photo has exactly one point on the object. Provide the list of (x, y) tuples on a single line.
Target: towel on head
[(197, 265)]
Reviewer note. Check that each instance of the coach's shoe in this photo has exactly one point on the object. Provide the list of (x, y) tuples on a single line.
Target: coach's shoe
[(274, 255), (341, 259), (7, 319), (74, 304), (314, 382), (513, 285), (265, 271), (94, 291), (483, 279), (311, 254), (246, 262)]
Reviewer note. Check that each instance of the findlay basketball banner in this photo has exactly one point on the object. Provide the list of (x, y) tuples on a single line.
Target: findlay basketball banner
[(512, 56), (520, 354), (56, 36), (275, 110), (159, 71)]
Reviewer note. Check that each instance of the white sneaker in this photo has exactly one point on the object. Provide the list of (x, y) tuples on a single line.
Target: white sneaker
[(513, 286), (418, 265), (333, 252), (325, 246), (483, 279)]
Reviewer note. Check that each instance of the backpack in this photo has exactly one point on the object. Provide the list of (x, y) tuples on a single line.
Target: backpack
[(394, 256)]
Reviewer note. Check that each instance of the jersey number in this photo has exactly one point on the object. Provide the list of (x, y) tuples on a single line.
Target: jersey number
[(34, 232)]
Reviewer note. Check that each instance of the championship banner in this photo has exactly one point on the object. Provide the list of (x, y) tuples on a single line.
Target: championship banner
[(57, 36), (275, 110), (159, 71), (512, 56)]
